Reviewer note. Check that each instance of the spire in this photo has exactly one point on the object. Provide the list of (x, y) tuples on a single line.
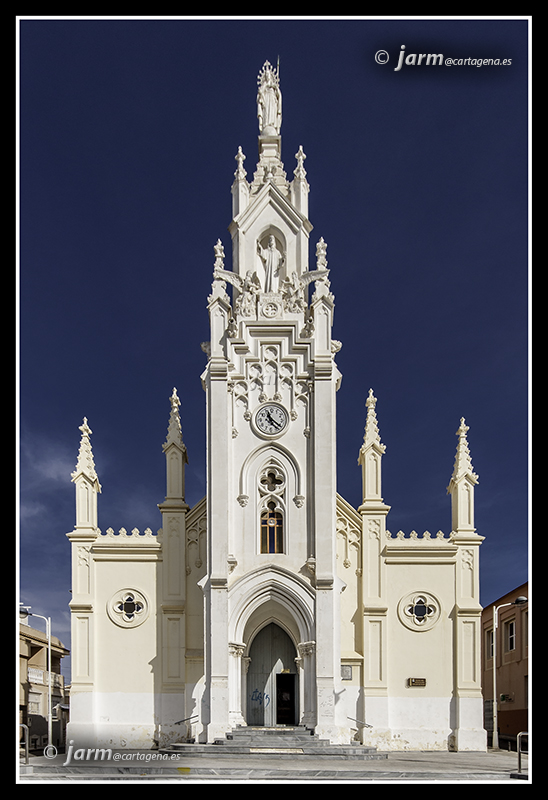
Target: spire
[(461, 486), (267, 202), (370, 457), (372, 436), (270, 168), (176, 458), (85, 464), (174, 431), (87, 484), (463, 461)]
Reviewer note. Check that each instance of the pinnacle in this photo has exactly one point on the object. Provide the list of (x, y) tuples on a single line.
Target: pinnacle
[(174, 431), (463, 461), (85, 464), (372, 435)]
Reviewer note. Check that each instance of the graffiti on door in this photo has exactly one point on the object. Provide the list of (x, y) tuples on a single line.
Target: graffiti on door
[(260, 697)]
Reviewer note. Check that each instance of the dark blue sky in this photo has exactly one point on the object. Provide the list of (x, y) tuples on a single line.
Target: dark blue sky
[(418, 184)]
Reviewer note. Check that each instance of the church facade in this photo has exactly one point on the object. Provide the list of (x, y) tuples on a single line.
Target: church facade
[(273, 601)]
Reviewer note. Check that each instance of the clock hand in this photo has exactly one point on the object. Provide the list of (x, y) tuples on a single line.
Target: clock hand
[(273, 421)]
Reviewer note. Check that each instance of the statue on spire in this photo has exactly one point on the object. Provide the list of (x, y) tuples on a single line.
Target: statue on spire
[(269, 100)]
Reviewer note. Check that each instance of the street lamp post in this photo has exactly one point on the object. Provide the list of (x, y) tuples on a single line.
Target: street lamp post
[(519, 601), (24, 611)]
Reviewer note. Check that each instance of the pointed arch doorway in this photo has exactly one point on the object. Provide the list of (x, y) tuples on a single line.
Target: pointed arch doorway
[(272, 679)]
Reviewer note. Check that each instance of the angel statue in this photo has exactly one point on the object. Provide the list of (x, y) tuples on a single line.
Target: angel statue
[(246, 303), (247, 287), (293, 294), (294, 288)]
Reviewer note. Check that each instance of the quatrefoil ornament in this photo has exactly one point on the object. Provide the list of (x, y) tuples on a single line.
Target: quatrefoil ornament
[(419, 611), (128, 608)]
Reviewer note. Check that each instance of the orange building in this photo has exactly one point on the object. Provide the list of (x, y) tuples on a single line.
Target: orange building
[(512, 665)]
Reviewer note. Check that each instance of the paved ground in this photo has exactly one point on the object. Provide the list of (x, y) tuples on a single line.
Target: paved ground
[(132, 766)]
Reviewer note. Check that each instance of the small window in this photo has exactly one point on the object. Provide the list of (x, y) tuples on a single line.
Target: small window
[(489, 644), (34, 703), (510, 635), (272, 530)]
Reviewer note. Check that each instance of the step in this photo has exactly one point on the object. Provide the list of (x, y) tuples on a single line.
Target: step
[(283, 741), (290, 736), (266, 733), (340, 752)]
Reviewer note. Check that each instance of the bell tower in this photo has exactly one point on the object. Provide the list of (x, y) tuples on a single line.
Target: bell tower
[(271, 382)]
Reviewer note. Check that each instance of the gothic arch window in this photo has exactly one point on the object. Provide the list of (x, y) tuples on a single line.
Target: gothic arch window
[(272, 484), (272, 530)]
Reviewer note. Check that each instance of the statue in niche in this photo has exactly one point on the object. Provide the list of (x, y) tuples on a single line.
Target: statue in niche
[(269, 100), (272, 260)]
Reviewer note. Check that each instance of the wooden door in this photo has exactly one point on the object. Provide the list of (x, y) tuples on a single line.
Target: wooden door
[(272, 657)]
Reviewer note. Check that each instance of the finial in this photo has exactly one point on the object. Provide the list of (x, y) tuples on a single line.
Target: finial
[(240, 158), (372, 435), (463, 461), (85, 464), (219, 255), (174, 431), (174, 399), (300, 171), (321, 250)]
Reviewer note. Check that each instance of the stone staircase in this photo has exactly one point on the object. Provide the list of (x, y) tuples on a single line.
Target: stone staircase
[(287, 742)]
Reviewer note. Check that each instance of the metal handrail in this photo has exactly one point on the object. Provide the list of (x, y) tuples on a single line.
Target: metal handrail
[(522, 733), (365, 725)]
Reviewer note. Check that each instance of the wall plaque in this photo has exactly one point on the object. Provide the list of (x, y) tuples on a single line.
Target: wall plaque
[(416, 681)]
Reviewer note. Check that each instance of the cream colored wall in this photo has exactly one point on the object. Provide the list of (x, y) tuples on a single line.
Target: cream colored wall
[(420, 653), (349, 560), (126, 658)]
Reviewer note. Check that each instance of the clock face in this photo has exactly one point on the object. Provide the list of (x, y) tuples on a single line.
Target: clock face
[(271, 419)]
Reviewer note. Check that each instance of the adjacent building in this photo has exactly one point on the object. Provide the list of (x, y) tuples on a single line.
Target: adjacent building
[(512, 665), (34, 687)]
